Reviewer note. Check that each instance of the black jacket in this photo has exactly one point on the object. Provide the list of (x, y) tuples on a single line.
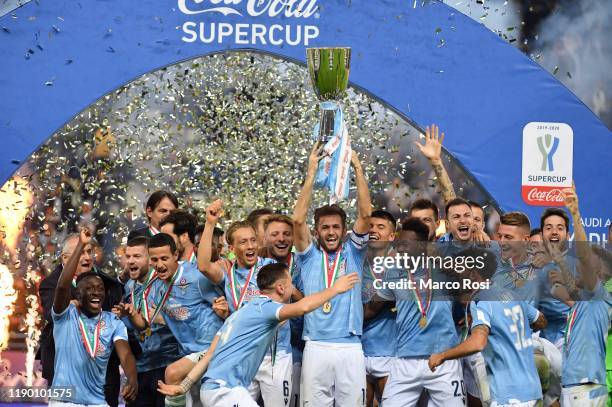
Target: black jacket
[(113, 292)]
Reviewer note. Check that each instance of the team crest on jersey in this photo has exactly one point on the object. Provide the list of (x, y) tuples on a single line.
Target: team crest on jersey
[(183, 285), (178, 313), (102, 325)]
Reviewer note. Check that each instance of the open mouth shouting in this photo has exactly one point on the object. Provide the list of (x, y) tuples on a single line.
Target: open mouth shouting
[(250, 256), (464, 232), (95, 303)]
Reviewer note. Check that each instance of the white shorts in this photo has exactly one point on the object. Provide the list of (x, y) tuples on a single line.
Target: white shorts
[(530, 403), (295, 385), (196, 356), (549, 350), (475, 377), (378, 367), (273, 382), (409, 376), (55, 403), (585, 395), (333, 371), (224, 397)]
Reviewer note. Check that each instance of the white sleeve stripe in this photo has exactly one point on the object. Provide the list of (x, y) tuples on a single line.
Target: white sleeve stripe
[(278, 312)]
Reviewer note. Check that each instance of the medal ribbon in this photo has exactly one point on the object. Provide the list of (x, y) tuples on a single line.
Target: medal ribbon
[(153, 231), (569, 326), (151, 277), (91, 342), (423, 308), (331, 274), (162, 302), (290, 263), (235, 290), (192, 258)]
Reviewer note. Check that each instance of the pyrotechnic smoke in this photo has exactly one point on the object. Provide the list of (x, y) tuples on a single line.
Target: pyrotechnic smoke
[(574, 44), (8, 295)]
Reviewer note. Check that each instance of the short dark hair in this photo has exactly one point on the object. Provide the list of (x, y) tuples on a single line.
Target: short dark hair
[(157, 196), (86, 275), (138, 241), (382, 214), (515, 219), (255, 214), (235, 226), (424, 203), (183, 222), (217, 232), (161, 240), (535, 231), (330, 210), (548, 212), (270, 274), (474, 204), (417, 226), (455, 202)]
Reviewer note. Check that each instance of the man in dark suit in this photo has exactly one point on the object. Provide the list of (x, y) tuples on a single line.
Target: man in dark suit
[(159, 205), (46, 290)]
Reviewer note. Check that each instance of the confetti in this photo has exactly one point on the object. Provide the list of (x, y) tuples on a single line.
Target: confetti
[(235, 126)]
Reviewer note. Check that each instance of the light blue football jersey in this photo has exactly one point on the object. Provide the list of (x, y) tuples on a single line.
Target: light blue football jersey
[(188, 311), (74, 367), (158, 349), (584, 352), (413, 341), (554, 310), (344, 322), (509, 349), (252, 291), (244, 340), (379, 337)]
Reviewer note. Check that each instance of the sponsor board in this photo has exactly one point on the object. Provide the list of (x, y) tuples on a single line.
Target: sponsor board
[(547, 163), (241, 22)]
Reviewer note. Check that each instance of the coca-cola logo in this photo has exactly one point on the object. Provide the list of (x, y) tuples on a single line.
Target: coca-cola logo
[(254, 8), (552, 195)]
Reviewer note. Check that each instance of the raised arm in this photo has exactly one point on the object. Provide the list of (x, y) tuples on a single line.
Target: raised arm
[(314, 301), (583, 249), (64, 283), (432, 150), (300, 211), (194, 375), (212, 271), (364, 203)]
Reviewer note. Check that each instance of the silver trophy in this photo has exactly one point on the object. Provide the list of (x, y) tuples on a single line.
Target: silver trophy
[(329, 73)]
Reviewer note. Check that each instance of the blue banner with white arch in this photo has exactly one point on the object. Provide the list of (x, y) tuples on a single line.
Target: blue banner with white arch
[(426, 60)]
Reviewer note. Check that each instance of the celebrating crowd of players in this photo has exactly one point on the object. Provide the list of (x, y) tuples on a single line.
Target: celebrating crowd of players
[(287, 315)]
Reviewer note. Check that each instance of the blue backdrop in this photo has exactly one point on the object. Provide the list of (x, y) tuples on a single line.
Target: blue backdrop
[(428, 61)]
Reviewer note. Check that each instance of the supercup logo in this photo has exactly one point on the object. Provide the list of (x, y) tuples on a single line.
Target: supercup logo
[(552, 196), (246, 33)]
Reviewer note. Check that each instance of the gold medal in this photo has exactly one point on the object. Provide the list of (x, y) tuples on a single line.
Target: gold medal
[(327, 307), (148, 331), (423, 322), (519, 283)]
